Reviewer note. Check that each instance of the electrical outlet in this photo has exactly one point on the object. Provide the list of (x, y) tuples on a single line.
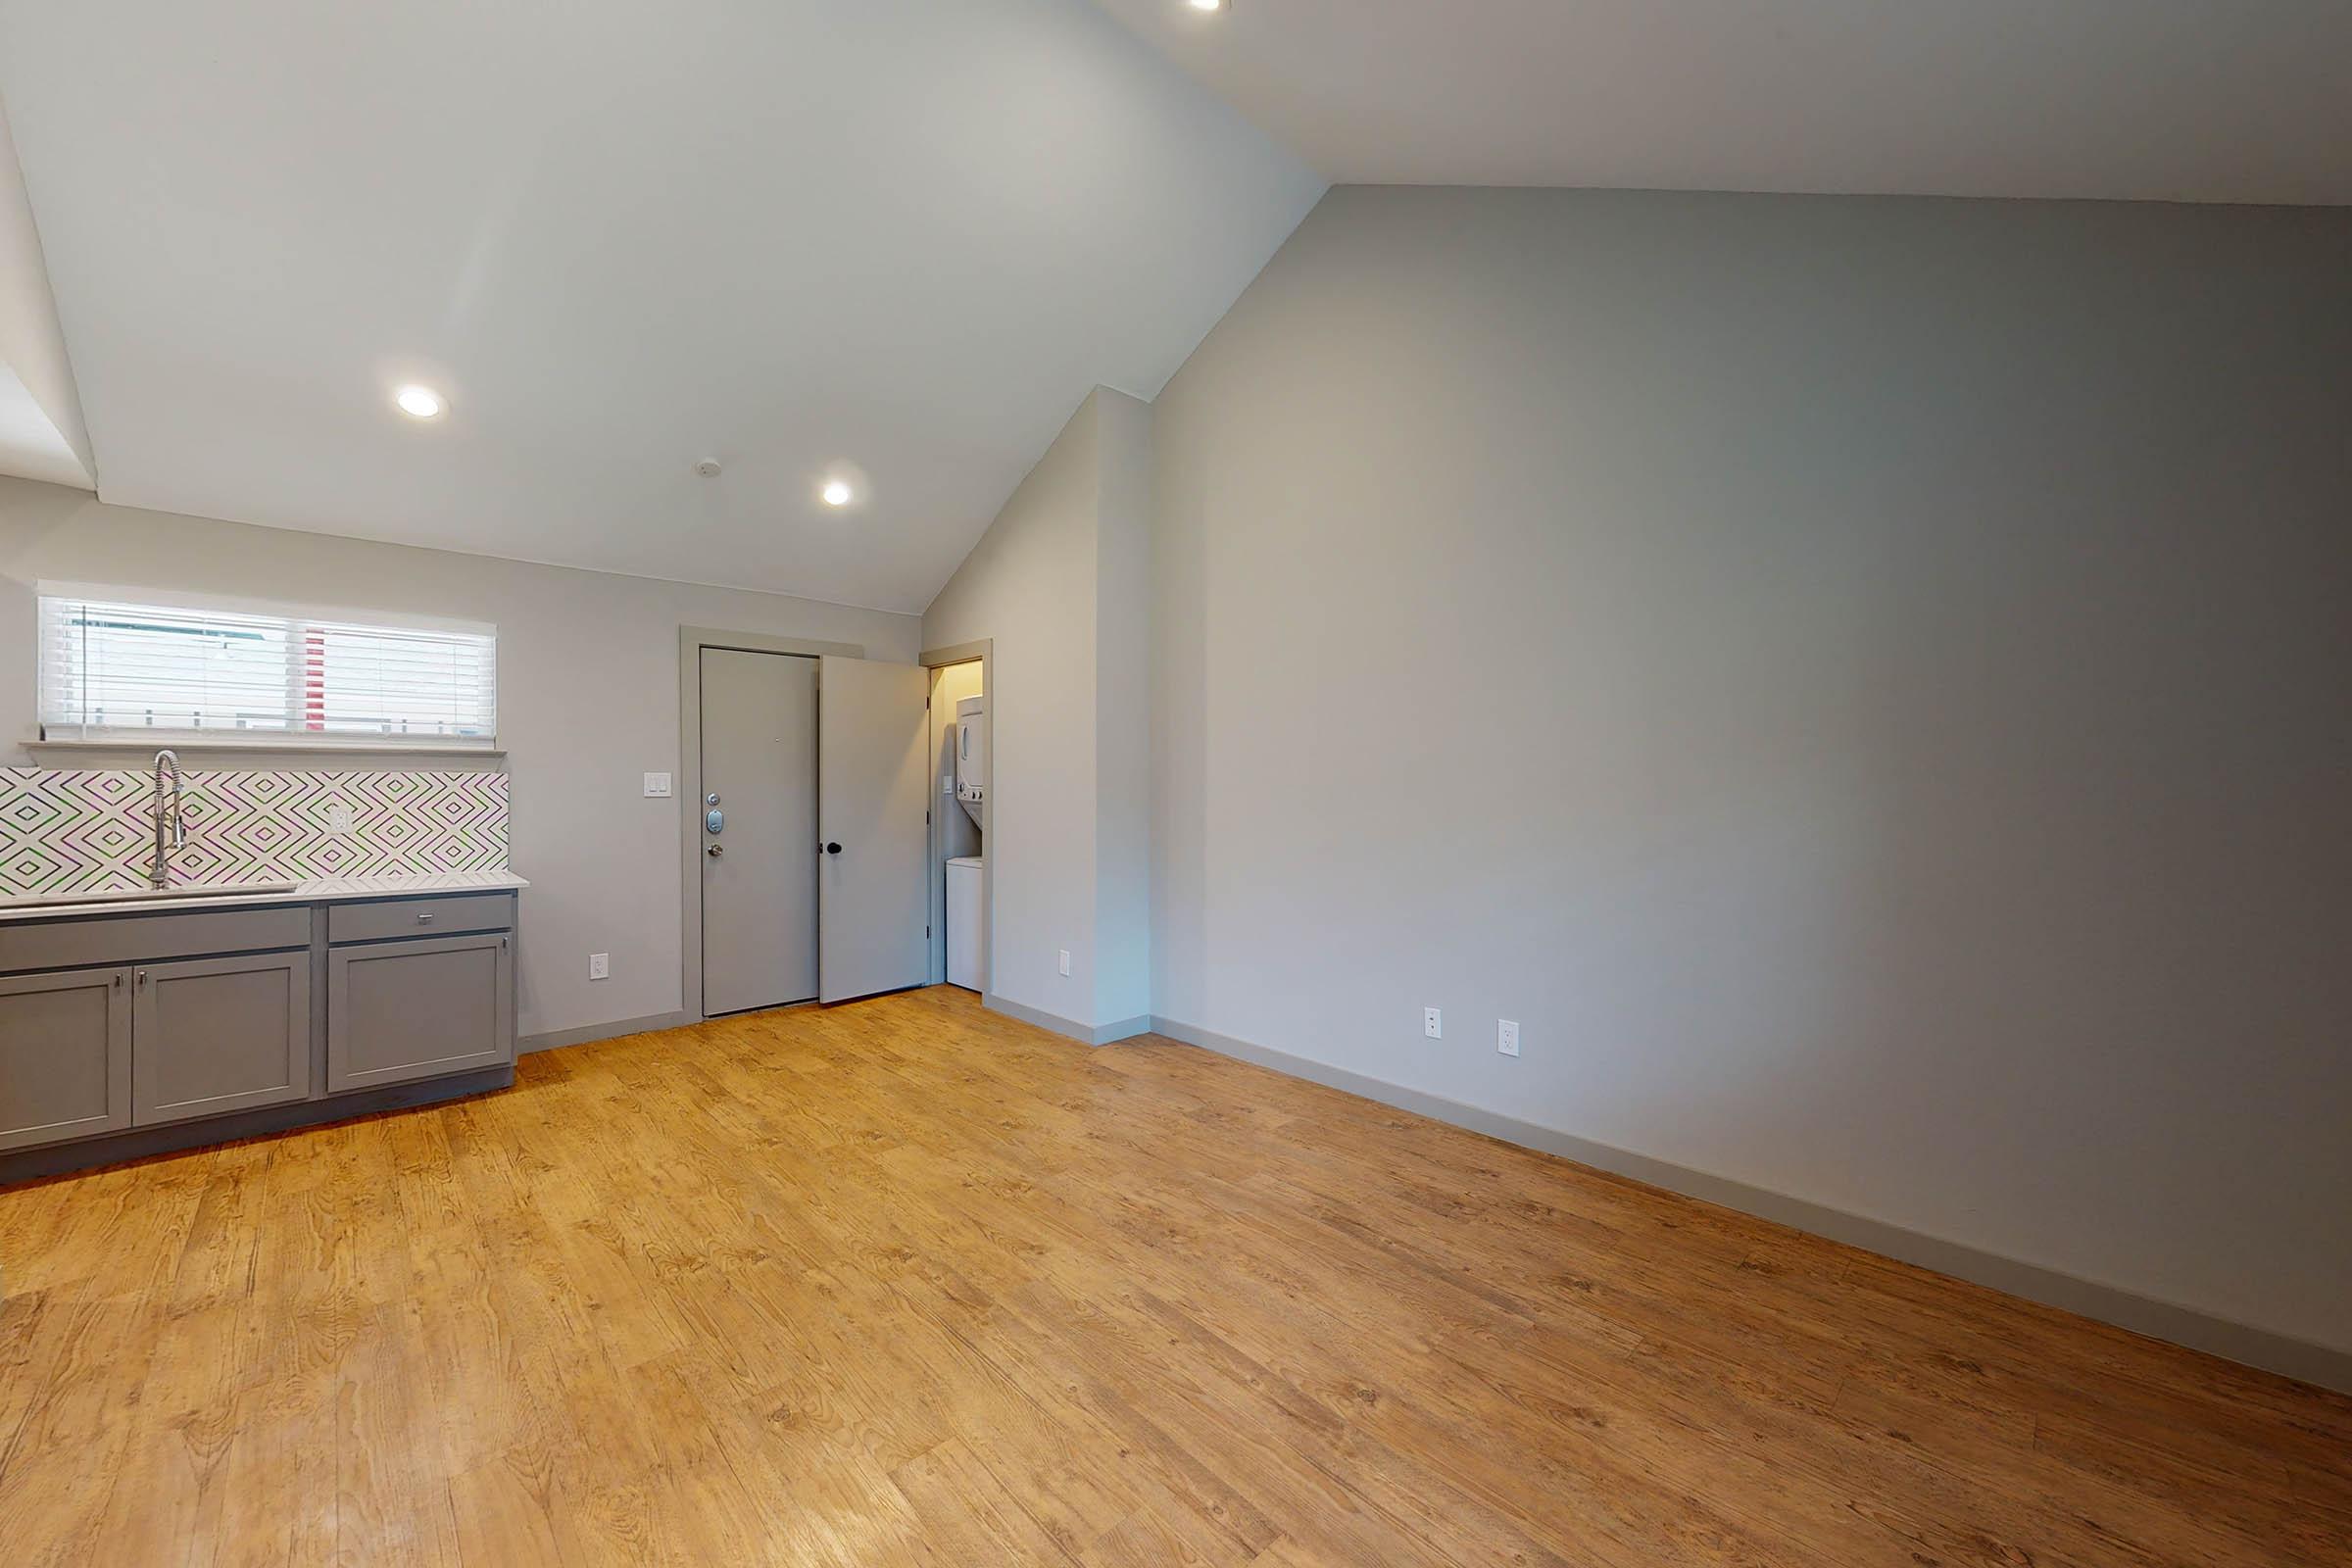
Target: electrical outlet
[(1506, 1036), (1432, 1023), (338, 817), (656, 786), (1066, 960), (599, 966)]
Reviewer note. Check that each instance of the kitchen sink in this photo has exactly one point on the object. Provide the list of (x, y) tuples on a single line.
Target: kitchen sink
[(190, 890)]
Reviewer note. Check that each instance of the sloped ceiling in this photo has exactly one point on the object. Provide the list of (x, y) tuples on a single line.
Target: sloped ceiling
[(893, 241), (41, 436), (2164, 100)]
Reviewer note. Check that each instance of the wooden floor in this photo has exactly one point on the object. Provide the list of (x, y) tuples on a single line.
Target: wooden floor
[(909, 1283)]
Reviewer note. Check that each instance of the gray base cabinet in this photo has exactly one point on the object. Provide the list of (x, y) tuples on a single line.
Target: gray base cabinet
[(64, 1055), (217, 1035), (398, 1011), (127, 1032)]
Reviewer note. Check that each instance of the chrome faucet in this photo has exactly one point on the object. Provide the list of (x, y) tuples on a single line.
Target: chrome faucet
[(172, 829)]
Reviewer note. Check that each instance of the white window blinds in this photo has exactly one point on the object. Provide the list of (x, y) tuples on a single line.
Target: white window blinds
[(116, 667)]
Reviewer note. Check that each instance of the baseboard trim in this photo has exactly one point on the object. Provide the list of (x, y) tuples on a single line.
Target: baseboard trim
[(2310, 1362), (1084, 1034), (589, 1034), (145, 1143)]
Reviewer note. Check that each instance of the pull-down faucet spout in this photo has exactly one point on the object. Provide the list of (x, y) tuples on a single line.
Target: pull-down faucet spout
[(171, 825)]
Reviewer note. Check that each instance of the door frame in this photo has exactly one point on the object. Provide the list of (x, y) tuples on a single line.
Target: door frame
[(688, 796), (984, 649)]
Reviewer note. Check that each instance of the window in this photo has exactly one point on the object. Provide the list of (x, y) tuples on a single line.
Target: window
[(118, 667)]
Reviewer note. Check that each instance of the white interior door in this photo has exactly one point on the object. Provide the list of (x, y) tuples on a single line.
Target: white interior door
[(873, 773)]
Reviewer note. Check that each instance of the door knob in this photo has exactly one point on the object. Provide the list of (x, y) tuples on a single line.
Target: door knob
[(717, 852), (832, 848)]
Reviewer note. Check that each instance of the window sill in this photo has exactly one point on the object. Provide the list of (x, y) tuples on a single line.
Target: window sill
[(48, 750)]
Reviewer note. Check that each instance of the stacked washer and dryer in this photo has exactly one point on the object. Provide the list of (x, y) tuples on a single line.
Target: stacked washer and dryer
[(967, 912)]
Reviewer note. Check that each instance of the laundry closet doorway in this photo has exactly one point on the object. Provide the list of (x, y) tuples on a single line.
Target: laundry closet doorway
[(961, 881), (805, 823)]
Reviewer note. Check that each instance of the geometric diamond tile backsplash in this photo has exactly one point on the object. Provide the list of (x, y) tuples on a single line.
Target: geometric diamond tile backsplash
[(90, 830)]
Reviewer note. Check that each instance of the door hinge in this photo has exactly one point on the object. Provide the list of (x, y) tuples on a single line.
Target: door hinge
[(926, 933)]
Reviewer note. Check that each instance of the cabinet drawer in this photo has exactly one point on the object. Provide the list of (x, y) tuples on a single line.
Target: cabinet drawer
[(402, 1010), (420, 917), (131, 938)]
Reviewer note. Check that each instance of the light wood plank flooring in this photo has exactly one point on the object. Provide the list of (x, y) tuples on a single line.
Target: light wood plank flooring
[(905, 1282)]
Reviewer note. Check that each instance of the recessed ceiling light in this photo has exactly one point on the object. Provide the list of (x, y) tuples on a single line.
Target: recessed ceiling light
[(1206, 5), (419, 402), (837, 493)]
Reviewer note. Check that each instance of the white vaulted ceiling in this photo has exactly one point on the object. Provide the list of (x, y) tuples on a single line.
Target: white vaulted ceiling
[(898, 240), (2164, 100), (895, 240)]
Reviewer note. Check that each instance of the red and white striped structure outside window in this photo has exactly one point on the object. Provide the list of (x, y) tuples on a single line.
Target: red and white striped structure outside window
[(120, 665)]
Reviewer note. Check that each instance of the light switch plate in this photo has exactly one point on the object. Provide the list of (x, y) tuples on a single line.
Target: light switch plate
[(656, 786), (1066, 960), (947, 783)]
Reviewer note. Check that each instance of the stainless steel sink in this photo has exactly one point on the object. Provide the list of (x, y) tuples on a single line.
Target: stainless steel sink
[(192, 890)]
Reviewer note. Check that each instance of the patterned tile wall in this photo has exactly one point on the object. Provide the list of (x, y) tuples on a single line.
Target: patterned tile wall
[(76, 830)]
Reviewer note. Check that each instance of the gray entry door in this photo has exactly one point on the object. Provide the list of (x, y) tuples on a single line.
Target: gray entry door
[(759, 851), (873, 794)]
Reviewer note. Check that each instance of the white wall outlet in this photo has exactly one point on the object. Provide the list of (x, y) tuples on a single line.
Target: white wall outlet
[(599, 966), (1066, 960), (656, 786), (1432, 1023), (1506, 1036), (338, 817)]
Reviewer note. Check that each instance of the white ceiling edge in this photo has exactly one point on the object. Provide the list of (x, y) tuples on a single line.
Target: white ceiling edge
[(89, 494), (41, 430), (31, 447), (2202, 101)]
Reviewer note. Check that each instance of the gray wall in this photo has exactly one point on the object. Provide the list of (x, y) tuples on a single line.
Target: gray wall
[(1122, 711), (1867, 684), (1059, 583), (588, 704)]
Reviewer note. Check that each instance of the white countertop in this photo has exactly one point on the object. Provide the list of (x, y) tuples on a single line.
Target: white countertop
[(318, 890)]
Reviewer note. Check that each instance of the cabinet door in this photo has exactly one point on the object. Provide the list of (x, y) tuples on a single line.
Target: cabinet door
[(399, 1010), (211, 1035), (64, 1055)]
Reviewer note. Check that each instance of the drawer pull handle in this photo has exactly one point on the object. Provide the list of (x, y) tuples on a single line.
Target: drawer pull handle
[(425, 919)]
